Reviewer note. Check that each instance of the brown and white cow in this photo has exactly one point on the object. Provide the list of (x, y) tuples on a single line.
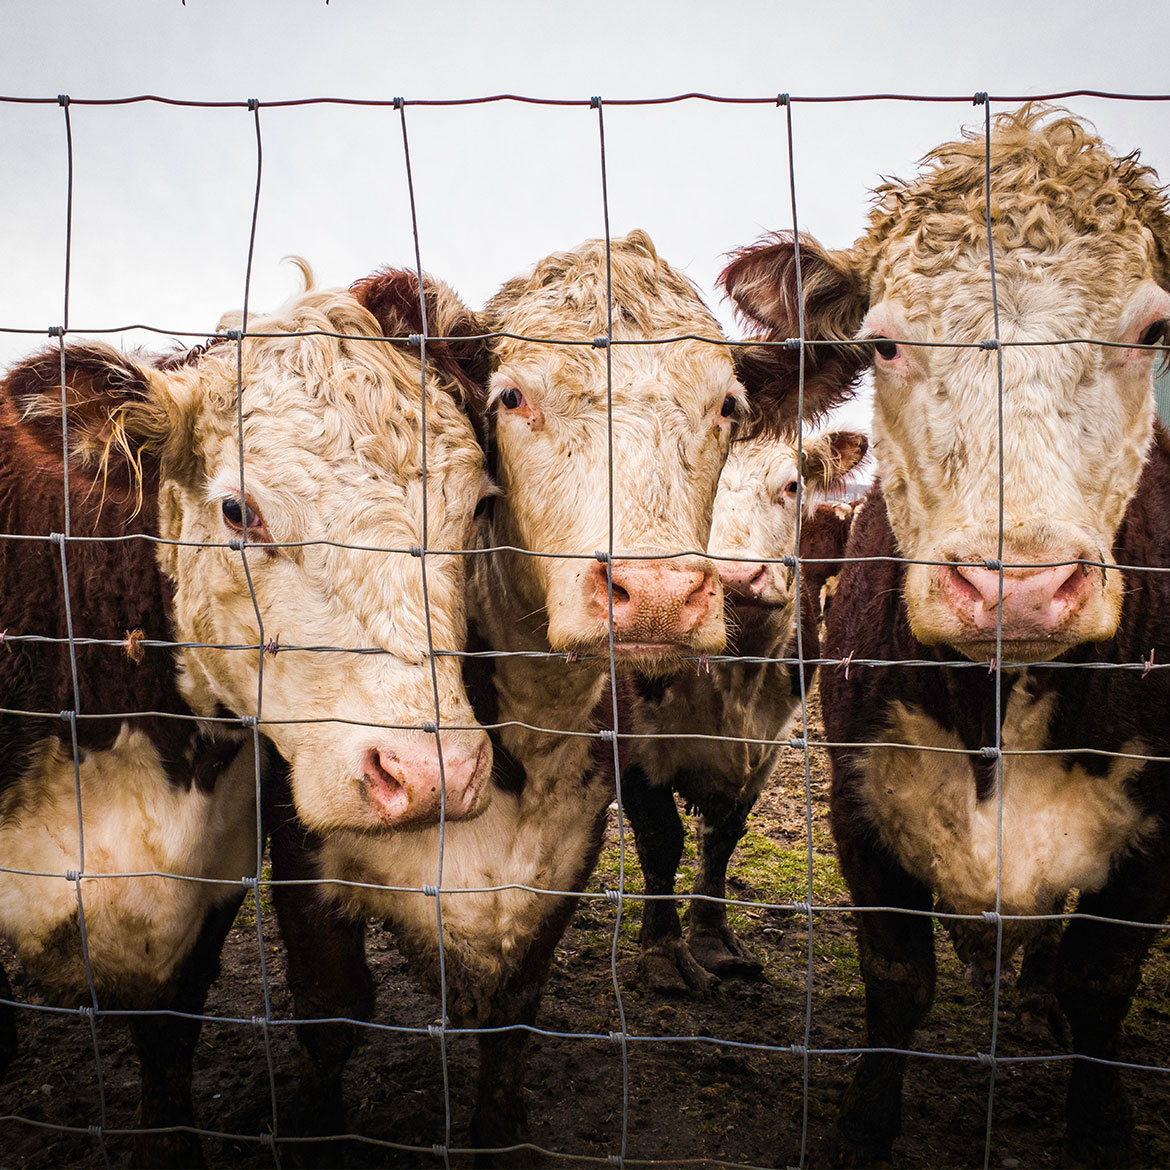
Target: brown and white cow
[(330, 456), (1081, 250), (540, 600), (729, 713)]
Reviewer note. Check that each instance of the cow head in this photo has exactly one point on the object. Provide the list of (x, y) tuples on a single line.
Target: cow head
[(756, 510), (1081, 241), (670, 410), (329, 455)]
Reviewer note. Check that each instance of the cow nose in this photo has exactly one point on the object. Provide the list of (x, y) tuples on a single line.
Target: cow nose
[(743, 582), (1035, 602), (405, 781), (654, 601)]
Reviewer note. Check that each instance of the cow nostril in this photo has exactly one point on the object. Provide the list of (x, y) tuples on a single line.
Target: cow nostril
[(620, 596)]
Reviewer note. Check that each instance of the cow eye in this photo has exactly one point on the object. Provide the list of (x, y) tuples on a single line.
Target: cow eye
[(511, 397), (1155, 334), (885, 348), (791, 487), (729, 407), (236, 513)]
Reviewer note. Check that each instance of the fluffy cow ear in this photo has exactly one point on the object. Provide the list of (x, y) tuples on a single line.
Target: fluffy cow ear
[(461, 356), (830, 457), (101, 387), (761, 280)]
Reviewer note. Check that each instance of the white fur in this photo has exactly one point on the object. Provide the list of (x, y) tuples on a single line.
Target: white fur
[(1062, 827), (139, 929)]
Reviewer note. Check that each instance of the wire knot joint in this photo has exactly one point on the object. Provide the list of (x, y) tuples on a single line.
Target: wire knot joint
[(72, 875), (415, 340), (56, 331), (595, 102), (253, 104), (435, 1031), (990, 753), (431, 891), (989, 343), (249, 721), (68, 716), (804, 908), (991, 917), (980, 98), (63, 100), (793, 343), (798, 742), (399, 102), (415, 550), (233, 335), (600, 343), (615, 896), (782, 99), (993, 564)]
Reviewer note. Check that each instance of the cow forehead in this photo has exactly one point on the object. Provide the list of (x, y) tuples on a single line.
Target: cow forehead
[(356, 407), (1061, 202), (570, 294)]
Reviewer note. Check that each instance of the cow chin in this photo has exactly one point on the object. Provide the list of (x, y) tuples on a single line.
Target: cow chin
[(937, 620)]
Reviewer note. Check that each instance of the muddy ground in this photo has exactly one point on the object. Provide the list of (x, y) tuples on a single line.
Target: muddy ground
[(700, 1102)]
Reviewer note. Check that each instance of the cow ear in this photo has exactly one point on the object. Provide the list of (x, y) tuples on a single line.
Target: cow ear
[(101, 385), (761, 280), (830, 457), (459, 355)]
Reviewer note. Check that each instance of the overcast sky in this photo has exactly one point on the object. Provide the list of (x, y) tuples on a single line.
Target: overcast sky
[(163, 195)]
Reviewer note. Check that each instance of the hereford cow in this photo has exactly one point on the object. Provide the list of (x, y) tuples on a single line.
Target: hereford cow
[(541, 594), (1081, 250), (745, 706), (330, 455)]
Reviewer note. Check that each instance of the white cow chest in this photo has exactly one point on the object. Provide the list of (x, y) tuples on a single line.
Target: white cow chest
[(138, 928), (1062, 826)]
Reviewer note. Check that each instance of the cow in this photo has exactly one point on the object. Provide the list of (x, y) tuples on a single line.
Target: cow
[(1068, 571), (541, 590), (191, 546), (745, 704)]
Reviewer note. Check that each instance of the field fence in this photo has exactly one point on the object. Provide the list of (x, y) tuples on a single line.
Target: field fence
[(800, 1047)]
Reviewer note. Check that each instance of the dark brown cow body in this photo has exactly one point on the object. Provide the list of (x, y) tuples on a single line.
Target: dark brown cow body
[(1098, 965), (823, 538)]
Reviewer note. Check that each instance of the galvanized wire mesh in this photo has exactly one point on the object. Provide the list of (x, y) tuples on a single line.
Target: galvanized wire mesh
[(275, 1135)]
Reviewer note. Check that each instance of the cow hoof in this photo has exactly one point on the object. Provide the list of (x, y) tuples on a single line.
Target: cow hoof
[(721, 953), (669, 968), (845, 1150), (1098, 1151), (170, 1150), (1040, 1016)]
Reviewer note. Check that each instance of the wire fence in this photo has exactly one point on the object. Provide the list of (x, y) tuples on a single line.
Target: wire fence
[(805, 750)]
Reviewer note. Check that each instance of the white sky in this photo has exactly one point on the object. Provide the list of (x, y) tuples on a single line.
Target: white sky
[(163, 196)]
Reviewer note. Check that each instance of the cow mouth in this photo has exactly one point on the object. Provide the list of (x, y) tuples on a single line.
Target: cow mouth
[(1015, 650)]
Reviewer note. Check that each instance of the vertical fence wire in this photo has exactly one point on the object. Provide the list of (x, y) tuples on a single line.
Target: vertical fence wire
[(784, 101), (264, 1023), (998, 674), (62, 540), (431, 656), (623, 1034)]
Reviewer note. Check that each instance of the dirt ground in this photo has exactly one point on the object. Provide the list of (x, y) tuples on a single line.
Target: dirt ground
[(703, 1102)]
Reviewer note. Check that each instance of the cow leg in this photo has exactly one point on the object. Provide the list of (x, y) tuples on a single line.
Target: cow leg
[(7, 1025), (896, 954), (712, 941), (1038, 1008), (666, 962), (328, 978), (1098, 971), (166, 1049)]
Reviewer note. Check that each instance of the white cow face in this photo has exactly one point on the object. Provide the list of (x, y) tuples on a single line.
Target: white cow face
[(1081, 240), (331, 455), (756, 511), (673, 411)]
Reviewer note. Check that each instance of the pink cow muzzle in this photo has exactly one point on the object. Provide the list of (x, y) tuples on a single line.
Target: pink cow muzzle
[(658, 605), (407, 786), (1035, 604), (750, 584)]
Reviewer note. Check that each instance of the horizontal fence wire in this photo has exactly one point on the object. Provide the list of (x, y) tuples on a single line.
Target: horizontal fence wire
[(269, 1022)]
